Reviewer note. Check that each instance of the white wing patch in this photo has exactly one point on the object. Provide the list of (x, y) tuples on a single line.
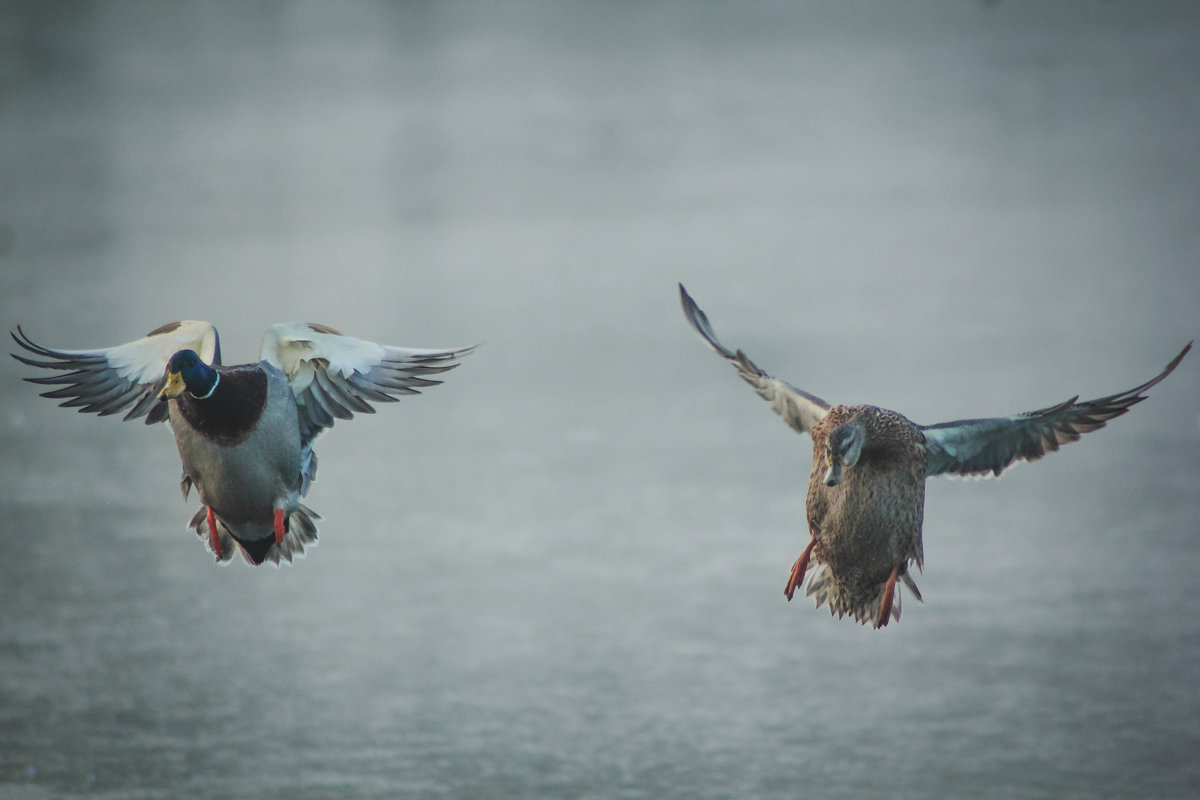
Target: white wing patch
[(106, 380), (333, 376)]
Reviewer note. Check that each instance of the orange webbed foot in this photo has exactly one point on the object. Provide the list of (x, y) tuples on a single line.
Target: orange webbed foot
[(796, 577), (889, 592), (279, 527), (213, 537)]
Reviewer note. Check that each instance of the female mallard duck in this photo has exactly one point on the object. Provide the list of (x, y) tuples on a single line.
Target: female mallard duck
[(244, 433), (866, 494)]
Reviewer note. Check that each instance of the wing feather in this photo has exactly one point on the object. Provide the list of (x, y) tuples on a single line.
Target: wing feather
[(108, 380), (798, 408), (335, 376), (982, 446)]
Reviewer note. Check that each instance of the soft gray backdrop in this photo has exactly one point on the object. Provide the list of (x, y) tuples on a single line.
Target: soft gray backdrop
[(560, 574)]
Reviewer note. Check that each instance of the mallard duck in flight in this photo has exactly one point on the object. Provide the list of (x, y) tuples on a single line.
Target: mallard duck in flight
[(866, 493), (244, 432)]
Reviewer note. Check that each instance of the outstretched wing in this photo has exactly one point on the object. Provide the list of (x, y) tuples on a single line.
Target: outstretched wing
[(980, 446), (798, 408), (109, 379), (333, 376)]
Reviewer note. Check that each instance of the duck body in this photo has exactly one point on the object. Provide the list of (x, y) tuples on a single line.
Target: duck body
[(866, 528), (866, 493), (240, 447), (245, 433)]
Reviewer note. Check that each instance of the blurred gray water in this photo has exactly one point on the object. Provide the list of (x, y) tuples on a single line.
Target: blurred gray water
[(560, 574)]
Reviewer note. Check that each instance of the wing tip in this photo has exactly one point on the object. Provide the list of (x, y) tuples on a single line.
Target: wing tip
[(23, 340), (700, 324), (1175, 361)]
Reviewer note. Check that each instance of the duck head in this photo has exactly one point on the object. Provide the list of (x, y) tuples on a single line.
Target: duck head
[(842, 450), (186, 370)]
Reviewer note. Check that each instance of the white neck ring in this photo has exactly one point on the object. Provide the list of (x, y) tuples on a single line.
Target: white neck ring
[(210, 391)]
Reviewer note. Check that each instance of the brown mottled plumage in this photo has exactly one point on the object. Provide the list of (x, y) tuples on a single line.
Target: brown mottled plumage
[(866, 494), (867, 527)]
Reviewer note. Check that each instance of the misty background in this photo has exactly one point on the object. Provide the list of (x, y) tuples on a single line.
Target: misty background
[(560, 574)]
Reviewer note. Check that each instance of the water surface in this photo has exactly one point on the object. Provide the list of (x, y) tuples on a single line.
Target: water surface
[(560, 574)]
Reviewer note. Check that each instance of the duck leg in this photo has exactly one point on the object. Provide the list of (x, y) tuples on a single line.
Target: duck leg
[(279, 528), (885, 605), (213, 536), (796, 577)]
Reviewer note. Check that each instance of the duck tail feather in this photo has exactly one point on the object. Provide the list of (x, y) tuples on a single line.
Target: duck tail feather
[(825, 590), (301, 534), (256, 541), (199, 524)]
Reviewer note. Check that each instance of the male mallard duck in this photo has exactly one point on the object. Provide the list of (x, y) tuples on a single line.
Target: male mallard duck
[(244, 433), (866, 494)]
